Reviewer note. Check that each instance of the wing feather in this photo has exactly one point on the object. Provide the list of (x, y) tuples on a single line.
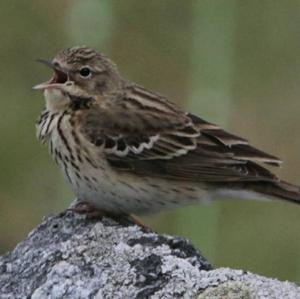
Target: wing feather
[(145, 134)]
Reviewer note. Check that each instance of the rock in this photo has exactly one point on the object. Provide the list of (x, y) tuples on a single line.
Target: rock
[(68, 256)]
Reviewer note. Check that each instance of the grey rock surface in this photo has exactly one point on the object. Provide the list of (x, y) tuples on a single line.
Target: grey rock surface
[(68, 256)]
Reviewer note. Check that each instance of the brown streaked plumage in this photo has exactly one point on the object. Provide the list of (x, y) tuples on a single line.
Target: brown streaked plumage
[(125, 149)]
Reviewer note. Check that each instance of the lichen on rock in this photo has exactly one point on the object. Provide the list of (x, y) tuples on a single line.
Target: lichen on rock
[(68, 256)]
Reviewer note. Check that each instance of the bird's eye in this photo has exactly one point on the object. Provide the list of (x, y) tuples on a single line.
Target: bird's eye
[(85, 72)]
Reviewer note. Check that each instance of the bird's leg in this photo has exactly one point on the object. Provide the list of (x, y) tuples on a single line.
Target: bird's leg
[(92, 212), (136, 221)]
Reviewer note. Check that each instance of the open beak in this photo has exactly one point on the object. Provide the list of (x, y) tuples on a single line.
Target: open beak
[(59, 78)]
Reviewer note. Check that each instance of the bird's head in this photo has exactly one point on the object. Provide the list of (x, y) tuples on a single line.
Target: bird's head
[(79, 71)]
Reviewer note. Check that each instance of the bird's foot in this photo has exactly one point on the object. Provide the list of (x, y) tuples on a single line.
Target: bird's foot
[(94, 213), (88, 209)]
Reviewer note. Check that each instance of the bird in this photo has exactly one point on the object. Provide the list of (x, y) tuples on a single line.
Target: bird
[(126, 150)]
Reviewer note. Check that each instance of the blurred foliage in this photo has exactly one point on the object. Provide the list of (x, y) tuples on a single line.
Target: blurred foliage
[(235, 63)]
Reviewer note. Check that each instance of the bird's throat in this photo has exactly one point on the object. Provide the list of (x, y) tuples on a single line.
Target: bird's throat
[(56, 100)]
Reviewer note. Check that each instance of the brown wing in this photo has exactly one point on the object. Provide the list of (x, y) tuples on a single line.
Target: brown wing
[(141, 132)]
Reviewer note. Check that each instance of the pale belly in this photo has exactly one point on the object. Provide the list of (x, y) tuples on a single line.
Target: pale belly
[(93, 180), (127, 194)]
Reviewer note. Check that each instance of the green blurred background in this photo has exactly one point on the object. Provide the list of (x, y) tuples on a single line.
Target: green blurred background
[(235, 63)]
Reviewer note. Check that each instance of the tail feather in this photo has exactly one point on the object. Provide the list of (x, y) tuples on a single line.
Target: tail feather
[(281, 189)]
